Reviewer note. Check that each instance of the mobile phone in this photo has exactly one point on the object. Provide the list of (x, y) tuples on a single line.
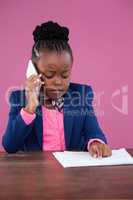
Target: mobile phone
[(31, 69)]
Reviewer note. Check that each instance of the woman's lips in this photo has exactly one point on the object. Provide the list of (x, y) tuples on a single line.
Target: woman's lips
[(56, 91)]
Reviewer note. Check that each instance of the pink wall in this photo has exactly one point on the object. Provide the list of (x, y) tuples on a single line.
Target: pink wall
[(102, 41)]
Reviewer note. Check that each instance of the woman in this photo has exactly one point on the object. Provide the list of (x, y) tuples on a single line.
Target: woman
[(53, 114)]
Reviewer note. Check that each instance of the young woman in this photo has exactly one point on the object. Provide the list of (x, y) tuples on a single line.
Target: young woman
[(52, 113)]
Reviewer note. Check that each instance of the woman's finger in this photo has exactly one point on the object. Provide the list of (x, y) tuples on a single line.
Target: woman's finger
[(36, 81), (32, 77), (94, 151), (100, 150), (106, 151)]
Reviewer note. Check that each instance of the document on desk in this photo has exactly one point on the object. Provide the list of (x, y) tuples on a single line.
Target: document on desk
[(79, 159)]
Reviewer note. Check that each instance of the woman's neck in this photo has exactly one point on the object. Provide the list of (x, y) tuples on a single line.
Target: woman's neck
[(48, 104)]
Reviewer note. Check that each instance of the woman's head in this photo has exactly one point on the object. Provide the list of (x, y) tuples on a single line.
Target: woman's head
[(53, 57)]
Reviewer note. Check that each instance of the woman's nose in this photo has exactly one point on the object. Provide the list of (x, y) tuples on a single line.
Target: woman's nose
[(58, 81)]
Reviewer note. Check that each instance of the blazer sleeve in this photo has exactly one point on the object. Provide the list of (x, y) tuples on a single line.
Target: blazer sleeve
[(92, 129), (17, 130)]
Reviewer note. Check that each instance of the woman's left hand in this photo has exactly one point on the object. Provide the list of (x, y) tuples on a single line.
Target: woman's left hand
[(97, 149)]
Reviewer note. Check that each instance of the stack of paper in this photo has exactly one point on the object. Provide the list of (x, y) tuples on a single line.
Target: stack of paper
[(78, 159)]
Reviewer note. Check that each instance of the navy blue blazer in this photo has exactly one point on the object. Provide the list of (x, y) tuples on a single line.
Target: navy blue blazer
[(80, 122)]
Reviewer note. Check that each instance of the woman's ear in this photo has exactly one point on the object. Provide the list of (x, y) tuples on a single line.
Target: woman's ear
[(34, 61)]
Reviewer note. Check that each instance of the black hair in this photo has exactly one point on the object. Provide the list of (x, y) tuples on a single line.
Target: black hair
[(50, 36)]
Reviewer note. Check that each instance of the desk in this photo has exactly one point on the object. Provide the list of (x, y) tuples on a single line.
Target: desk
[(38, 176)]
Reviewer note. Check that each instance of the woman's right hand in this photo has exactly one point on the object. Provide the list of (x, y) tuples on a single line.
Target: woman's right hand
[(32, 89)]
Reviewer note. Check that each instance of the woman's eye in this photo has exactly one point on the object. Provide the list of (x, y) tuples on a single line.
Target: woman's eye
[(48, 75), (65, 76), (51, 75)]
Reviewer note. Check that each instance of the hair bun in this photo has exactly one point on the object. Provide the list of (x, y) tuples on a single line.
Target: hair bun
[(50, 31)]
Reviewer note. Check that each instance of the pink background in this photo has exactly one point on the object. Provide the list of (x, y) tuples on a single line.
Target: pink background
[(101, 36)]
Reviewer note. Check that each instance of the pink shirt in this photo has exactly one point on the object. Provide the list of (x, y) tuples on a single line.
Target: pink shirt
[(53, 129)]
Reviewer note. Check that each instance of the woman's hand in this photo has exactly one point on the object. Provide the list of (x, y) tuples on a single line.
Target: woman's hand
[(98, 149), (32, 88)]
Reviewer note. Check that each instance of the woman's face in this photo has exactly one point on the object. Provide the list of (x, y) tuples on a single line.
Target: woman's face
[(56, 70)]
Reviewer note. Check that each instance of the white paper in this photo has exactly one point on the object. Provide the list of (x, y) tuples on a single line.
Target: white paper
[(78, 159)]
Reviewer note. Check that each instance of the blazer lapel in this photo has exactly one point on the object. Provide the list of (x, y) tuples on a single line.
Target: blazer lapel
[(38, 121), (39, 126), (68, 117)]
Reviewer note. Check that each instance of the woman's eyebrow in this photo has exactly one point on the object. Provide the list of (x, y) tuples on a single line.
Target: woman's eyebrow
[(67, 69), (47, 72), (51, 66)]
